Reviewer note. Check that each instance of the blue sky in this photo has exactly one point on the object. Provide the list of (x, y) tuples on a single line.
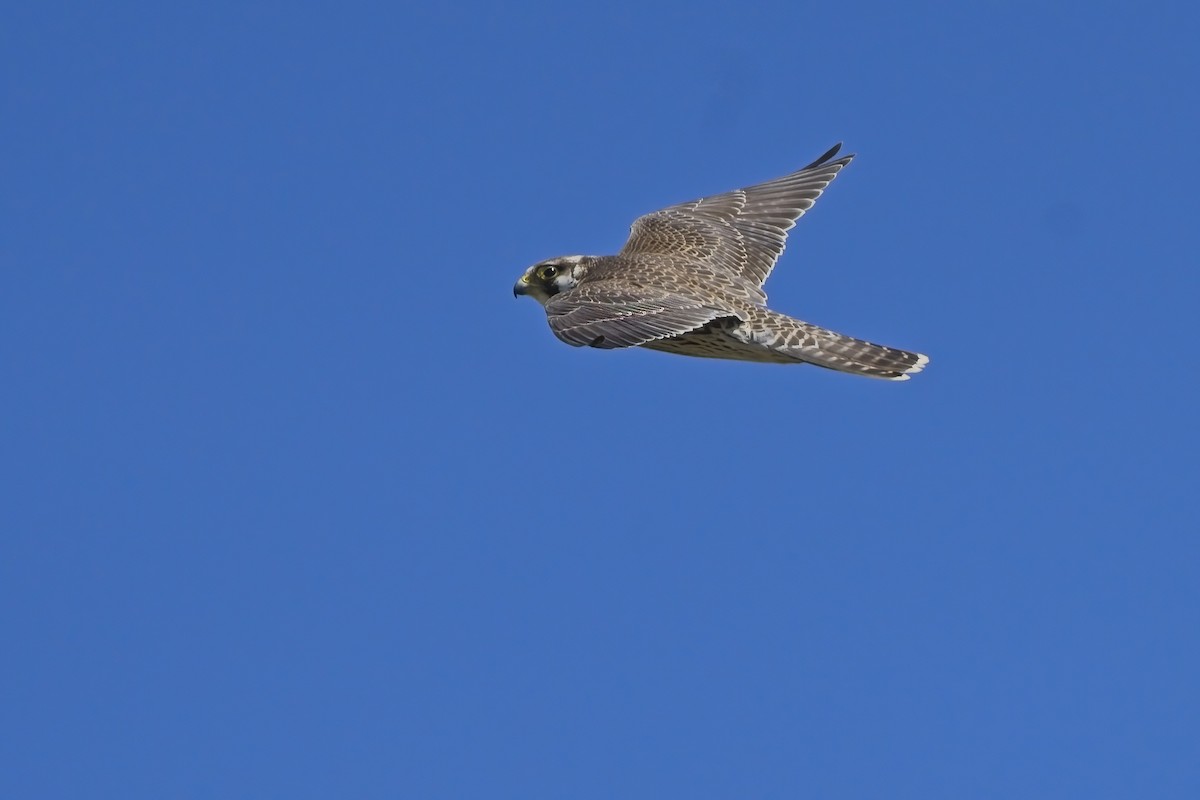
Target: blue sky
[(300, 502)]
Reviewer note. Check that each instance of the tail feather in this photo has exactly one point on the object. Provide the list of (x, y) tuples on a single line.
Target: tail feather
[(813, 344), (847, 354)]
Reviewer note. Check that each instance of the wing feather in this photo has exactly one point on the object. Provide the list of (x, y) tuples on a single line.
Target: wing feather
[(609, 316), (742, 232)]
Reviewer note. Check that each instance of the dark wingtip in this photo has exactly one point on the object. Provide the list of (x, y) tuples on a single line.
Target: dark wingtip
[(830, 153)]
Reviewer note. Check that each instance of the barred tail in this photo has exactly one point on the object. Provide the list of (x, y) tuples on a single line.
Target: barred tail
[(847, 354), (825, 348)]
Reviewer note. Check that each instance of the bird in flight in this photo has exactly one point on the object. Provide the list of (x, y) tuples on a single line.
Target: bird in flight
[(689, 281)]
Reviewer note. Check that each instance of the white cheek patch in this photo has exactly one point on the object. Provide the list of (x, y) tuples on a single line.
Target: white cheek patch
[(564, 282)]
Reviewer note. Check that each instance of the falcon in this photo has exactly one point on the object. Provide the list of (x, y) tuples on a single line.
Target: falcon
[(689, 281)]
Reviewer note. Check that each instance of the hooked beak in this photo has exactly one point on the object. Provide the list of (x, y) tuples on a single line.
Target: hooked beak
[(521, 287)]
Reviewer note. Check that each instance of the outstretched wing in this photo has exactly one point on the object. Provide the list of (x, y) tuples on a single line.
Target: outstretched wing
[(742, 232), (607, 315)]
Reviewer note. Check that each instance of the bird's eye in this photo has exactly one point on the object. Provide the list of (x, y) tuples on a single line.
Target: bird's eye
[(548, 272)]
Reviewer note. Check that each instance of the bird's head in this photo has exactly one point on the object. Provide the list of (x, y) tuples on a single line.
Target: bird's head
[(547, 278)]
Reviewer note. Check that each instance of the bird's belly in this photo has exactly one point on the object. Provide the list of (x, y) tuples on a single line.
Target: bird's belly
[(719, 339)]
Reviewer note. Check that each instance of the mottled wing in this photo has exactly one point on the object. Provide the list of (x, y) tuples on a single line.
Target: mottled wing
[(740, 232), (608, 315)]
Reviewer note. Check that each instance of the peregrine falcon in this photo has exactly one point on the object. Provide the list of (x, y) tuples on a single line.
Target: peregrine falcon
[(689, 281)]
